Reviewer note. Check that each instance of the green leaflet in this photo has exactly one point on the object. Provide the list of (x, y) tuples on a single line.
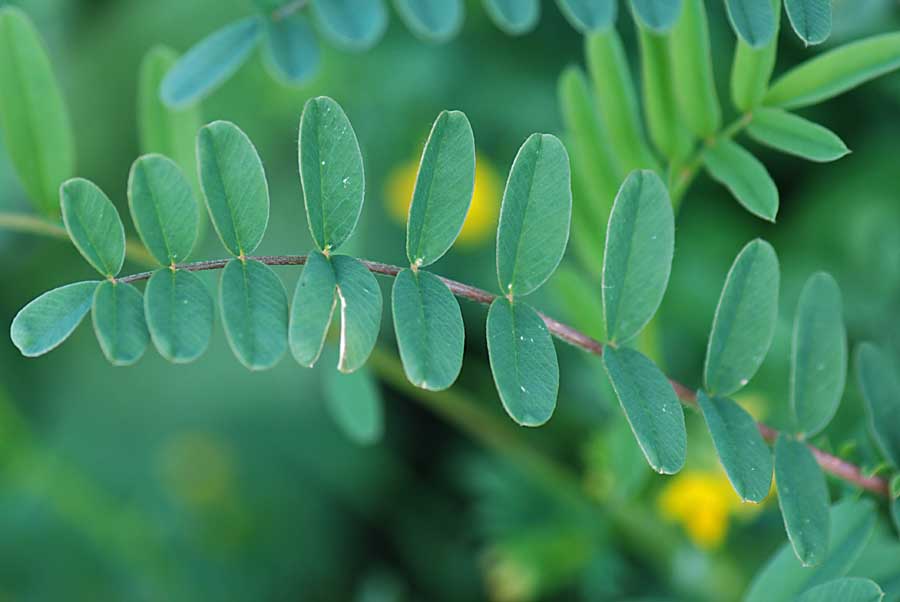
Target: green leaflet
[(254, 313), (118, 315), (179, 313), (443, 189), (355, 404), (744, 176), (803, 499), (46, 322), (331, 172), (37, 132), (523, 361), (744, 323), (292, 52), (753, 21), (651, 406), (588, 16), (210, 62), (692, 70), (93, 225), (515, 17), (637, 261), (848, 589), (836, 71), (360, 306), (811, 19), (534, 215), (314, 300), (795, 135), (430, 330), (895, 512), (163, 208), (741, 448), (657, 15), (435, 20), (851, 523), (876, 375), (752, 68), (354, 24), (818, 355), (234, 185)]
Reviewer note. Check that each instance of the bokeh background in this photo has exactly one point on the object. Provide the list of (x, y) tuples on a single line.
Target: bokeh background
[(207, 482)]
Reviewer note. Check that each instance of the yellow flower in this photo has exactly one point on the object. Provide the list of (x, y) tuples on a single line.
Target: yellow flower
[(481, 221)]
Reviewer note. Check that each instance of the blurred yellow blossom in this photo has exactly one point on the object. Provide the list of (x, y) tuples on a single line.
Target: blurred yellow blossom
[(481, 221), (198, 468)]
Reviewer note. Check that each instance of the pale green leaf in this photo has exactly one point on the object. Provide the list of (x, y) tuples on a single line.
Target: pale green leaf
[(312, 309), (360, 306), (93, 225), (355, 403), (435, 20), (752, 20), (795, 135), (179, 314), (803, 499), (692, 70), (744, 176), (292, 52), (752, 68), (811, 19), (876, 375), (46, 322), (589, 15), (848, 589), (119, 324), (354, 24), (515, 17), (657, 15)]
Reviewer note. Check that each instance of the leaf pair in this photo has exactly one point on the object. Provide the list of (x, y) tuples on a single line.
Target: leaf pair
[(756, 21)]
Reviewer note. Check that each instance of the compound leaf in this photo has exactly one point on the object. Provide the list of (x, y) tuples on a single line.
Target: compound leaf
[(46, 322), (93, 225), (354, 402), (292, 52), (657, 15), (118, 315), (795, 135), (811, 19), (179, 314), (752, 20), (435, 20), (589, 15), (803, 499), (847, 589), (877, 378), (355, 24), (312, 309), (515, 17), (744, 176), (360, 305)]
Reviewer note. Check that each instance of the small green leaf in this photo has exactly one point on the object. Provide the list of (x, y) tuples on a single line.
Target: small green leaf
[(741, 448), (876, 375), (803, 499), (692, 70), (163, 208), (752, 20), (179, 314), (588, 16), (895, 513), (795, 135), (523, 361), (640, 242), (836, 71), (443, 189), (360, 305), (93, 225), (534, 215), (515, 17), (331, 171), (744, 176), (651, 406), (752, 68), (354, 24), (314, 300), (435, 20), (811, 19), (657, 15), (234, 185), (818, 355), (254, 313), (355, 404), (848, 589), (37, 132), (292, 52), (744, 323), (118, 315), (46, 322), (429, 328), (210, 62)]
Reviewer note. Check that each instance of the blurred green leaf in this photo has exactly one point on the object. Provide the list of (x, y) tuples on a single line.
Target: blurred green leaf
[(752, 68), (577, 292), (515, 17), (118, 315), (355, 404), (331, 172), (93, 225), (818, 355), (589, 15), (210, 62), (312, 309), (435, 20), (876, 375), (523, 361), (895, 513), (46, 322), (534, 216), (752, 20), (795, 135), (692, 71), (443, 189), (355, 24), (360, 303), (234, 184), (651, 406), (254, 313), (657, 15), (179, 313), (745, 177), (848, 589), (745, 318), (811, 19), (292, 52), (803, 499)]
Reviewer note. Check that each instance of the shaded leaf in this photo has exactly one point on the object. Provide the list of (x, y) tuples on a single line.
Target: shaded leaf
[(803, 499), (795, 135), (752, 20), (589, 15), (811, 19), (93, 225), (752, 67), (118, 316), (360, 306), (848, 589), (657, 15), (744, 176), (436, 20), (179, 313), (292, 52), (515, 17), (313, 306), (355, 24), (46, 322), (355, 403), (695, 87), (876, 375)]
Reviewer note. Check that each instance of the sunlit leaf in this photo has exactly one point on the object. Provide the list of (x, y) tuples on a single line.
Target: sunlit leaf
[(658, 15), (811, 19), (752, 68), (589, 15), (292, 52), (803, 499), (744, 176), (355, 403), (795, 135), (752, 20), (436, 20), (118, 316), (93, 225), (692, 71), (360, 305), (848, 589), (876, 375), (46, 322), (179, 313), (355, 24), (514, 16), (312, 309)]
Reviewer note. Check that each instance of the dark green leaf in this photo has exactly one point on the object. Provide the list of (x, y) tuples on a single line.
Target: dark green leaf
[(876, 375), (210, 62), (314, 300), (658, 15), (589, 15), (534, 215), (331, 171), (93, 225), (179, 314), (292, 52), (47, 321), (436, 20), (37, 132), (811, 19), (752, 68), (515, 17), (848, 589), (355, 404), (118, 315), (355, 24), (429, 328), (741, 448), (752, 20), (803, 499), (692, 70), (795, 135), (818, 355), (744, 176), (254, 313), (744, 323), (523, 361), (234, 185), (360, 305)]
